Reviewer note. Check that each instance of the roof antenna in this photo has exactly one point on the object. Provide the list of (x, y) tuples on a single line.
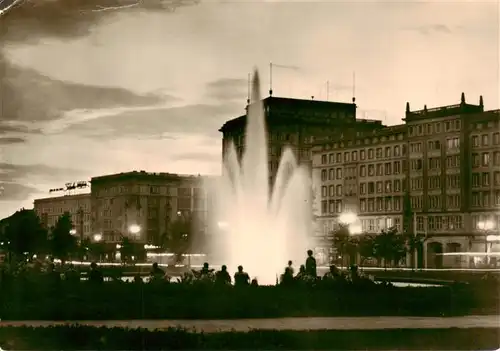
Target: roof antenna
[(249, 83), (354, 87), (270, 79)]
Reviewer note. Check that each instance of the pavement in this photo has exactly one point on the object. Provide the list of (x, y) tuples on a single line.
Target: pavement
[(312, 323)]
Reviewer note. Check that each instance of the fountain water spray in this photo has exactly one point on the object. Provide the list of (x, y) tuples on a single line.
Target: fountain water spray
[(261, 227)]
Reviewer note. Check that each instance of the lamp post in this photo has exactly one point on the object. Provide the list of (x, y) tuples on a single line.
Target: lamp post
[(97, 239), (485, 227), (351, 221)]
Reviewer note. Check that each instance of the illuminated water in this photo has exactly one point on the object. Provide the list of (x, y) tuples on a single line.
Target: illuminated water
[(261, 227)]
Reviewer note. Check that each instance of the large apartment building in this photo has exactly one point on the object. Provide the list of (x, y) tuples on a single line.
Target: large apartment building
[(147, 202), (49, 210), (445, 159), (298, 124)]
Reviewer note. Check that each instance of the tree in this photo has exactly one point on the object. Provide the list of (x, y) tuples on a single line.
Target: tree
[(25, 233), (341, 242), (390, 246), (179, 236), (62, 242), (414, 244), (366, 246)]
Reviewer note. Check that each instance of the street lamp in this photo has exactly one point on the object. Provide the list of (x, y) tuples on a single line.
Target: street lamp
[(486, 226), (134, 229), (350, 219), (97, 237), (72, 231)]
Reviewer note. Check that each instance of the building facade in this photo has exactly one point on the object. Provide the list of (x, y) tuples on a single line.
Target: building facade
[(297, 124), (78, 206), (147, 202), (445, 159)]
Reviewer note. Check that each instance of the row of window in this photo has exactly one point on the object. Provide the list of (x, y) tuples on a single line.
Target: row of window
[(434, 145), (484, 140), (439, 223), (484, 198), (434, 128), (150, 189), (483, 159), (348, 156), (483, 179)]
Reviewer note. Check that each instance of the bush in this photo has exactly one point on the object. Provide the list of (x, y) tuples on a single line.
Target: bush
[(91, 338), (84, 301)]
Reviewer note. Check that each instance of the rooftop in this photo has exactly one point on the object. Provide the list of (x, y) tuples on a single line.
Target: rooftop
[(444, 111), (143, 175)]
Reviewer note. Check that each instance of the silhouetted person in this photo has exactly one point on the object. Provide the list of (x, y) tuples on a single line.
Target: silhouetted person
[(333, 273), (255, 282), (311, 264), (95, 275), (287, 277), (354, 274), (138, 279), (222, 277), (241, 278), (302, 273), (206, 269), (157, 273)]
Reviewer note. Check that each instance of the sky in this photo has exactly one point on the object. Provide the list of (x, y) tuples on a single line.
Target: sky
[(93, 87)]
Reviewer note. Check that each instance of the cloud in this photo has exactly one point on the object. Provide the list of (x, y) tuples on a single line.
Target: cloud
[(431, 29), (10, 172), (14, 191), (159, 123), (26, 95), (11, 140), (227, 89), (34, 19)]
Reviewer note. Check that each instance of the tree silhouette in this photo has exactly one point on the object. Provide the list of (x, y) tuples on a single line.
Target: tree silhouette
[(390, 246), (341, 242), (365, 246), (62, 242), (25, 233), (179, 236)]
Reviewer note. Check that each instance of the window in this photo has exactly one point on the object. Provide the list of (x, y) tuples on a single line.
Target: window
[(416, 147), (388, 168), (496, 138), (371, 188), (331, 191), (484, 139), (453, 143), (388, 186), (416, 165), (496, 158), (362, 204), (331, 174), (397, 167), (434, 163), (323, 159), (475, 180), (485, 159), (324, 175), (379, 152), (438, 127), (434, 202), (346, 156), (331, 158), (338, 157), (397, 150), (354, 155), (362, 188), (362, 171), (453, 161), (388, 151), (434, 182), (475, 141), (453, 201), (380, 187), (416, 183), (397, 185), (485, 179), (338, 172), (433, 145), (428, 128), (362, 154), (370, 154), (371, 170), (380, 170), (338, 190), (496, 178)]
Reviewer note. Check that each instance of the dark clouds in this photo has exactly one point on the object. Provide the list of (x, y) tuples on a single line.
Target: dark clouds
[(26, 95), (34, 19), (202, 119), (228, 89), (11, 140), (16, 192), (13, 173)]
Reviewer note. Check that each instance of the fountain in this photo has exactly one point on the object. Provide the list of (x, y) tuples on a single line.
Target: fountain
[(259, 227)]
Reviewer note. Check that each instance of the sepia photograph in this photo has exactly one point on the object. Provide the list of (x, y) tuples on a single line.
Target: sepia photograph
[(249, 175)]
